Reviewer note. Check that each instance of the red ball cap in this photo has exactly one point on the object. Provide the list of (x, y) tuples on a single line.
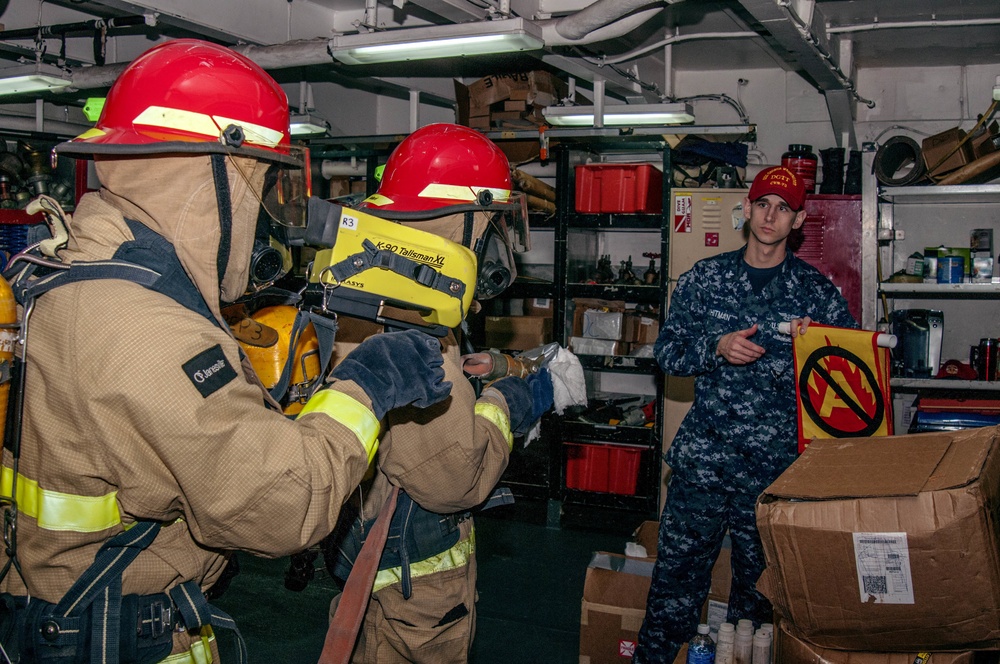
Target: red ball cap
[(782, 182)]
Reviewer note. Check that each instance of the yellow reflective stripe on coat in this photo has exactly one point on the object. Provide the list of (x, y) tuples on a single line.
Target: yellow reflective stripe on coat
[(497, 416), (55, 510), (348, 411), (455, 557), (200, 652)]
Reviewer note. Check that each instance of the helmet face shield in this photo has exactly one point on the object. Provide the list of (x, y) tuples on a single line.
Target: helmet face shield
[(286, 190), (517, 223)]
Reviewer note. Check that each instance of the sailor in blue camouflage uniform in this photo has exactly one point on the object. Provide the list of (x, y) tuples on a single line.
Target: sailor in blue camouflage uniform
[(740, 434)]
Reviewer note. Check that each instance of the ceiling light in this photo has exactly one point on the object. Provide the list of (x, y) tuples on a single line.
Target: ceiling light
[(620, 115), (32, 78), (304, 124), (437, 41)]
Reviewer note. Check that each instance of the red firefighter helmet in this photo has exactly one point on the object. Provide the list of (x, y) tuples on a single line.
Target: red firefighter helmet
[(445, 169), (443, 165), (188, 95)]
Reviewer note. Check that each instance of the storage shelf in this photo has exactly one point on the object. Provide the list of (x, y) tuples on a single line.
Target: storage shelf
[(611, 221), (637, 503), (533, 288), (641, 294), (618, 363), (587, 432), (964, 290), (945, 384), (951, 194)]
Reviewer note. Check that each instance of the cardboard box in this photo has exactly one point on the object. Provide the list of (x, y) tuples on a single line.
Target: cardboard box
[(986, 141), (614, 598), (934, 148), (518, 332), (533, 90), (640, 328), (585, 304), (887, 544), (613, 607), (538, 306), (790, 650)]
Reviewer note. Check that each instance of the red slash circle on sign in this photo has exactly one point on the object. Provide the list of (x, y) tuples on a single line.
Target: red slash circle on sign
[(864, 399)]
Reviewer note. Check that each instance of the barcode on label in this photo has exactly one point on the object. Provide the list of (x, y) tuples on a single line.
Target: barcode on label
[(875, 585)]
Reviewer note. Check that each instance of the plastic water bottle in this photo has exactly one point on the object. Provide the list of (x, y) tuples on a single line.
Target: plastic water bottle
[(701, 648), (769, 628), (762, 647), (743, 643), (725, 648)]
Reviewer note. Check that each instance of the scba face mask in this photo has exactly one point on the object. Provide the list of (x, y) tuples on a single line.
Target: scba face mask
[(495, 258)]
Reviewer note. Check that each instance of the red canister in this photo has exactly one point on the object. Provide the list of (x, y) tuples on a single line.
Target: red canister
[(801, 160)]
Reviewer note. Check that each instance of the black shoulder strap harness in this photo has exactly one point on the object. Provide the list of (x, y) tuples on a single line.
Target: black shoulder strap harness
[(93, 622)]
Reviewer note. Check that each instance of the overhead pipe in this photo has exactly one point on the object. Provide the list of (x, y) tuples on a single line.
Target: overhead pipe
[(896, 25), (601, 13), (26, 124), (601, 21), (63, 29)]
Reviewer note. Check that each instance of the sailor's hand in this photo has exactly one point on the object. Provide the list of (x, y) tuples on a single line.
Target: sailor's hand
[(736, 347)]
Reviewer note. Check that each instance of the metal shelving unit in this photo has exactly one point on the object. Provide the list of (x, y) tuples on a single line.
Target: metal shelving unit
[(911, 218)]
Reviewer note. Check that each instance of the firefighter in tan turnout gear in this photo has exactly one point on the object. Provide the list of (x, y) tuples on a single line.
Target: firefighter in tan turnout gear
[(146, 449), (453, 182)]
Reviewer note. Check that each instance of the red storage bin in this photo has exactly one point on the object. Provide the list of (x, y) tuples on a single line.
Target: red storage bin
[(602, 468), (619, 188)]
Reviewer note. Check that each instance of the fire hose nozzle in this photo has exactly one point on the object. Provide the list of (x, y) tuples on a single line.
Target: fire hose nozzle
[(492, 365)]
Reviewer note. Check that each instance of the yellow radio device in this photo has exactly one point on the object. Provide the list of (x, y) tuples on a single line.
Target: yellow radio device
[(367, 266)]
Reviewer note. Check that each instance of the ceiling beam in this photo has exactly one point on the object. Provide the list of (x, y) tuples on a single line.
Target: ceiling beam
[(803, 49)]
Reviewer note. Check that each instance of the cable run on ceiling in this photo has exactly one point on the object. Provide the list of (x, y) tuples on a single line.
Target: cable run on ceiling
[(811, 39)]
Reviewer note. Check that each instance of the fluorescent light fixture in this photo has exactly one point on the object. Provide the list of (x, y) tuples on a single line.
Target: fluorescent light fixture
[(437, 41), (32, 78), (620, 115), (304, 124)]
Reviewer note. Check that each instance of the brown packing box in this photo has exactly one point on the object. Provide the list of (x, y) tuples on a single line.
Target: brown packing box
[(538, 306), (533, 89), (790, 650), (614, 604), (887, 544), (614, 598), (985, 142), (518, 332), (934, 148), (640, 328)]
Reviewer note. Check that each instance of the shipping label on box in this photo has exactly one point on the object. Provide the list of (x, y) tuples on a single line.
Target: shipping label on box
[(883, 544)]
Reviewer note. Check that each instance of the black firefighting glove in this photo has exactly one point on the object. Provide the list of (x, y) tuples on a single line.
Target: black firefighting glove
[(397, 369)]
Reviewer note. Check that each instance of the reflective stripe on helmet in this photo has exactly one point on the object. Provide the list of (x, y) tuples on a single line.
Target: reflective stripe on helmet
[(496, 415), (55, 510), (205, 125), (348, 411), (455, 557), (454, 192)]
